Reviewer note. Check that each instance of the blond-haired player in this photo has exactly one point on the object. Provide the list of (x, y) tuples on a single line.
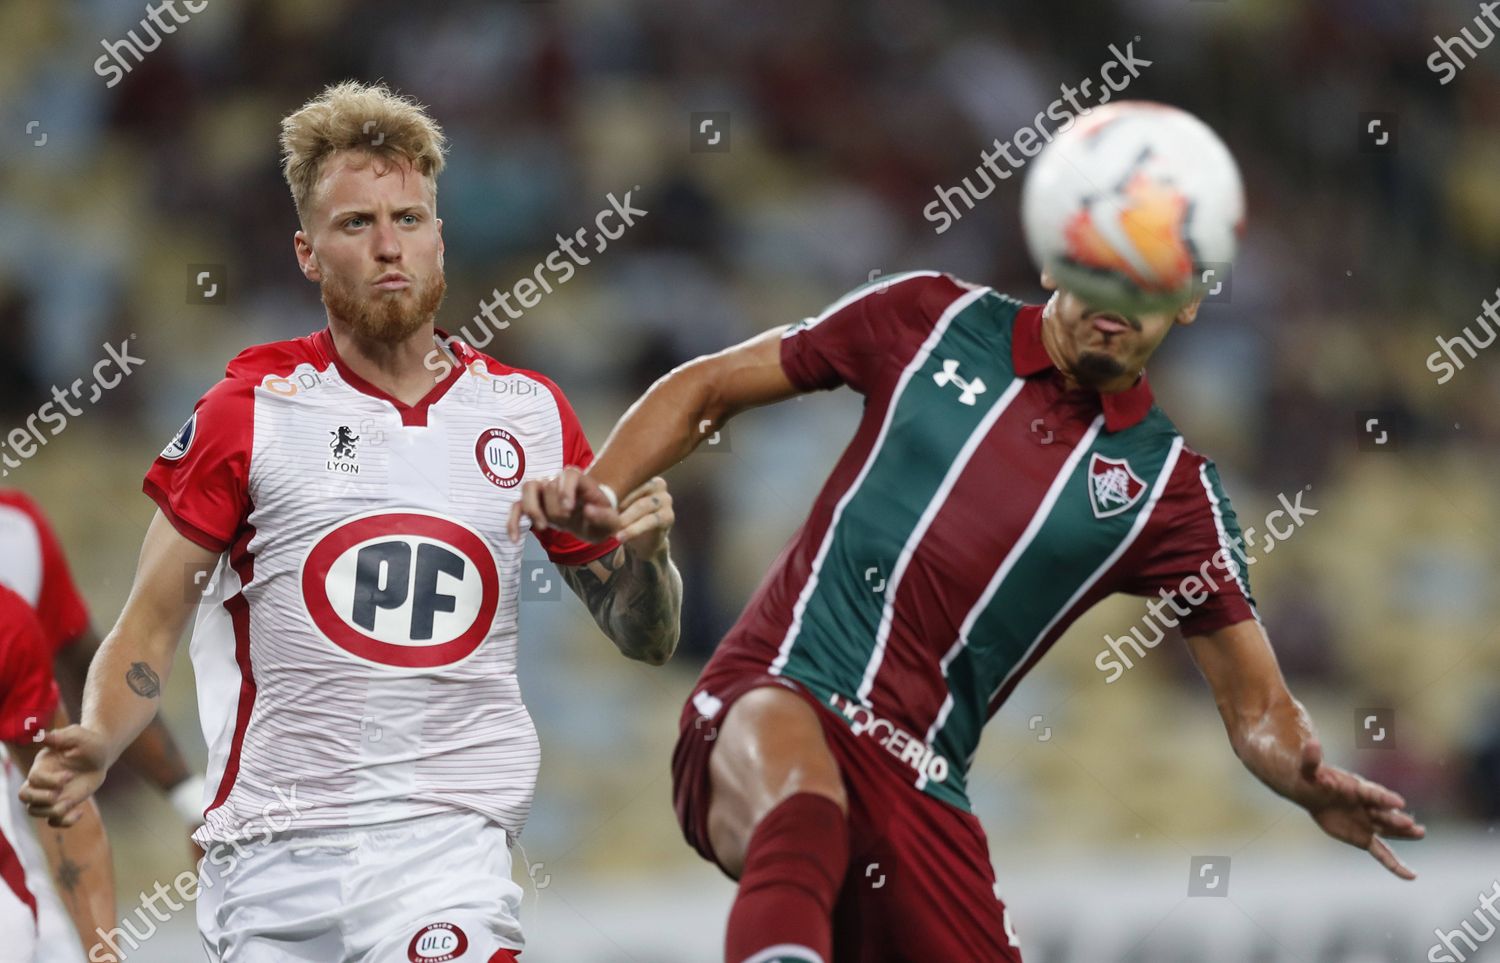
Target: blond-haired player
[(371, 759)]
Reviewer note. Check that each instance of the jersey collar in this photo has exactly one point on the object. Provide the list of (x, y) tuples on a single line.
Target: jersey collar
[(1122, 409), (411, 415)]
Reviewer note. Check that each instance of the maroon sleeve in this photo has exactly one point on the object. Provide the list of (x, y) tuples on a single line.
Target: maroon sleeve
[(28, 693), (201, 481), (562, 547), (868, 334), (1194, 551), (60, 609)]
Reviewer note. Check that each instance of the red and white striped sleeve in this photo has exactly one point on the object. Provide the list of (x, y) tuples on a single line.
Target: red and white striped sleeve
[(60, 608), (201, 481), (28, 693), (562, 547)]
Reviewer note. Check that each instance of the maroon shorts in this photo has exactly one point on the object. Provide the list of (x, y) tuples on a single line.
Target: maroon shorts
[(920, 885)]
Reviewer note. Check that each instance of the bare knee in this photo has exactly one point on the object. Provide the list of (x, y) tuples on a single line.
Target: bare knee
[(770, 747)]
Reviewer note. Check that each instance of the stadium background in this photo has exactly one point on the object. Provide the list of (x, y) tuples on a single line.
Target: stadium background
[(842, 118)]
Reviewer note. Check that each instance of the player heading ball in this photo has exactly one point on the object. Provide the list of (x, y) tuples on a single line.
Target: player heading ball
[(839, 717)]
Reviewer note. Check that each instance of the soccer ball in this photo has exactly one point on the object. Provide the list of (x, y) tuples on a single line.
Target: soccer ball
[(1135, 208)]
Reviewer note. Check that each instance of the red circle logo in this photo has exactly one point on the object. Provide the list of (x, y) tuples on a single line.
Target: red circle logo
[(437, 943), (408, 589), (500, 457)]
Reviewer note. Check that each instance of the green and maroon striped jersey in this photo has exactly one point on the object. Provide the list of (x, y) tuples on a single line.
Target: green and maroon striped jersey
[(980, 508)]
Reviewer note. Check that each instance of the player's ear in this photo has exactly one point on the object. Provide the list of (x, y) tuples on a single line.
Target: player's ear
[(307, 259), (1048, 281), (1188, 313)]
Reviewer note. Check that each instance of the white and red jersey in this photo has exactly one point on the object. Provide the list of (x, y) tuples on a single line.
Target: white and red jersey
[(33, 566), (33, 922), (356, 660)]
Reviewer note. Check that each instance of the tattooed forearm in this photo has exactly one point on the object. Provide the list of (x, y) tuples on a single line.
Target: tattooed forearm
[(67, 873), (143, 681), (636, 601)]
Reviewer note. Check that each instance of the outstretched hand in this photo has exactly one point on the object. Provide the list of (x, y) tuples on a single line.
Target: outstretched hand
[(1353, 809)]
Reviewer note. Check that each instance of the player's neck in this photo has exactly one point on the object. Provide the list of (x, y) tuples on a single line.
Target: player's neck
[(400, 369), (1052, 342)]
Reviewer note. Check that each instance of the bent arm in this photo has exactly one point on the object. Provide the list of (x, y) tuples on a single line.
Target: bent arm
[(635, 592), (1267, 727), (1273, 736), (688, 404), (125, 682), (79, 857), (154, 754), (636, 601)]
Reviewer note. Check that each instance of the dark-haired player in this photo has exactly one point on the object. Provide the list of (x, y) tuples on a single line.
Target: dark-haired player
[(1010, 470)]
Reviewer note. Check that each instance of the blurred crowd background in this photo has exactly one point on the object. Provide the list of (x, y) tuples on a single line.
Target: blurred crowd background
[(842, 119)]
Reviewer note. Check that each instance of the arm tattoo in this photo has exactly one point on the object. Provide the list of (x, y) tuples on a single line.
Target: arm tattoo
[(637, 602), (143, 681), (69, 874)]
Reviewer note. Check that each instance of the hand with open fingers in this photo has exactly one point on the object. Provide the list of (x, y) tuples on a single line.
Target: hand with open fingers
[(1354, 809), (69, 769), (645, 518), (561, 502)]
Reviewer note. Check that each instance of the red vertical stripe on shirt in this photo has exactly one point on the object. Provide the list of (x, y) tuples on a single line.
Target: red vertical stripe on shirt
[(15, 875), (239, 613)]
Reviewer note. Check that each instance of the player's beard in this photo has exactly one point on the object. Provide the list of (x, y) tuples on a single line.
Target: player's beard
[(385, 318), (1096, 368)]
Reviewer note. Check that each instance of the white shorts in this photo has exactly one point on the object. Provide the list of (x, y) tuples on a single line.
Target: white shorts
[(18, 926), (436, 888), (49, 936)]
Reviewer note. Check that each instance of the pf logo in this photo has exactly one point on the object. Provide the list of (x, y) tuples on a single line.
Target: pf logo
[(408, 589), (437, 943)]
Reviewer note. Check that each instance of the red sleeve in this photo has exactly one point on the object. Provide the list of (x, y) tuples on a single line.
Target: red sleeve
[(201, 480), (868, 333), (562, 547), (1197, 554), (60, 609), (28, 693)]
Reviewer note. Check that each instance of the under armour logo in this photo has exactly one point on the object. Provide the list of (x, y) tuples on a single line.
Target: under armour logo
[(950, 376)]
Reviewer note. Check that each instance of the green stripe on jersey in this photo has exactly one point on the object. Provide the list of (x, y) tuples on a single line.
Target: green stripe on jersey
[(1068, 551), (834, 629)]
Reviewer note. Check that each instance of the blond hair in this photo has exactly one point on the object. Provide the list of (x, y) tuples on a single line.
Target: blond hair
[(355, 116)]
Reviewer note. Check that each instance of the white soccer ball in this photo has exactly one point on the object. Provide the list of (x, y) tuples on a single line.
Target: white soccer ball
[(1135, 208)]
